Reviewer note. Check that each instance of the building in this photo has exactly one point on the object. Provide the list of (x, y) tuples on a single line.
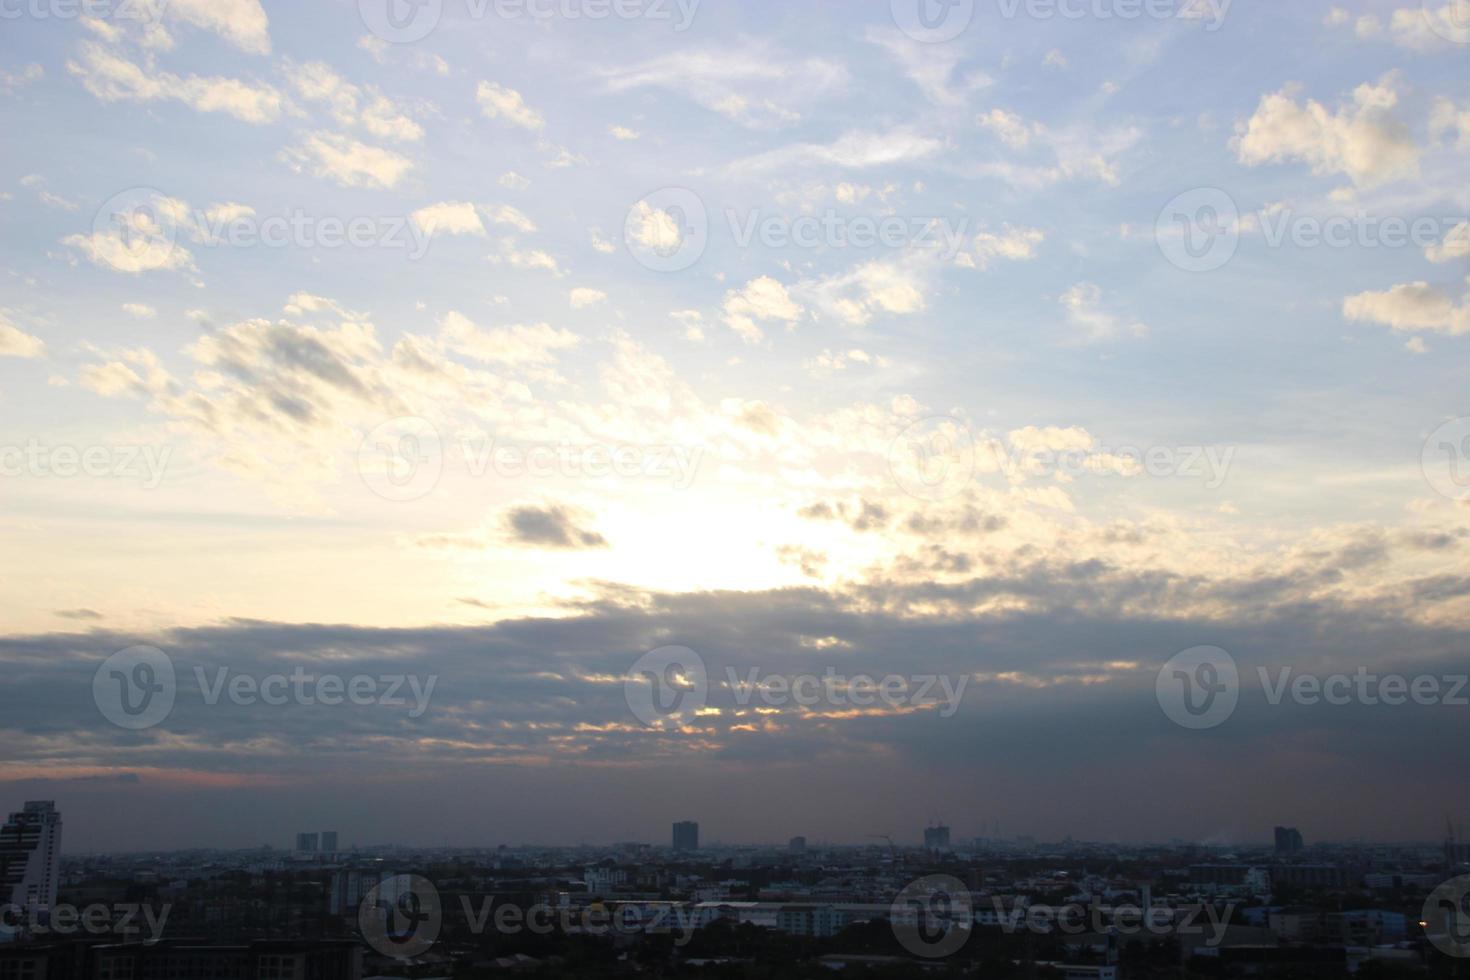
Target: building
[(686, 835), (349, 887), (30, 847), (936, 838), (306, 842), (1288, 840), (797, 845), (329, 842)]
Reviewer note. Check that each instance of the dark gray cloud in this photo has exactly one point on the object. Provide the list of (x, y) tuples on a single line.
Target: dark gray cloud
[(528, 717), (551, 526)]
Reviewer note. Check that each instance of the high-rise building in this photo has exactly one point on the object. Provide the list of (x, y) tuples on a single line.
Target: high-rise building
[(306, 842), (30, 848), (329, 841), (936, 838), (686, 836), (798, 845), (1288, 840)]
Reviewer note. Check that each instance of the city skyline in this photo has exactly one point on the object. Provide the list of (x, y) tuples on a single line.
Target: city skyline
[(547, 421)]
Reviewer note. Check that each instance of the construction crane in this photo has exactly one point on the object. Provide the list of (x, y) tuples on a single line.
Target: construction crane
[(892, 848)]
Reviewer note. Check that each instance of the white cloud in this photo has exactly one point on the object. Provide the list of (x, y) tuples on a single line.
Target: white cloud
[(10, 81), (1411, 307), (139, 311), (600, 242), (1456, 245), (16, 343), (141, 240), (498, 102), (1086, 311), (1055, 60), (514, 181), (1074, 152), (450, 218), (528, 259), (504, 214), (760, 299), (349, 162), (870, 289), (352, 105), (624, 133), (241, 22), (517, 345), (1013, 244), (1362, 139), (747, 85), (854, 150), (582, 297), (112, 78)]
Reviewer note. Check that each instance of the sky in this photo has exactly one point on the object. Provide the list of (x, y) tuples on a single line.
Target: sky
[(559, 368)]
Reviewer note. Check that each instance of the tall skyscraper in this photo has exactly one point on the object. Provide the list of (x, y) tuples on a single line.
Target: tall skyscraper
[(306, 842), (1288, 840), (798, 845), (686, 836), (329, 841), (30, 849), (936, 838)]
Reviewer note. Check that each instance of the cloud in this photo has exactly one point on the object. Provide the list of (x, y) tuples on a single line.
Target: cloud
[(1080, 151), (882, 286), (112, 78), (353, 106), (623, 133), (25, 75), (1085, 309), (449, 218), (139, 311), (746, 84), (241, 22), (1410, 307), (761, 299), (1456, 245), (498, 102), (1361, 139), (582, 297), (349, 162), (15, 343), (551, 526), (855, 150), (141, 240), (535, 344), (1012, 244)]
